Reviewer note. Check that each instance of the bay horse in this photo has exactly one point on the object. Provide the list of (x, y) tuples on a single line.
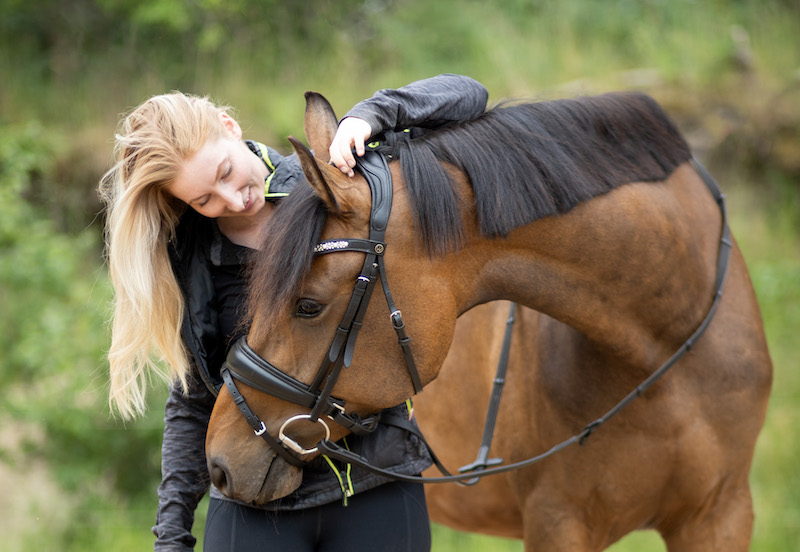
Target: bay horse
[(589, 211)]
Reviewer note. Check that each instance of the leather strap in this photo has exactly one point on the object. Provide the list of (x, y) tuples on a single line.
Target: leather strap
[(483, 461), (259, 428)]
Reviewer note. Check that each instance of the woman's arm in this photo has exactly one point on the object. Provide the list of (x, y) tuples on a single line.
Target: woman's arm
[(428, 103), (184, 475)]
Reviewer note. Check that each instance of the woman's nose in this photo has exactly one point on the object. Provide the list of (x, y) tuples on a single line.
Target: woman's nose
[(233, 199)]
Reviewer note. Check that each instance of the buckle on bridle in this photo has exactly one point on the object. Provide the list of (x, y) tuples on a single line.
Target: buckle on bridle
[(260, 431), (397, 319)]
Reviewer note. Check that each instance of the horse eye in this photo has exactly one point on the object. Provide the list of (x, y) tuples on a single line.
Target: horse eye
[(308, 308)]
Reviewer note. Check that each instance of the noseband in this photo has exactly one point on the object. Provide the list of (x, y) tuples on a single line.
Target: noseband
[(245, 365)]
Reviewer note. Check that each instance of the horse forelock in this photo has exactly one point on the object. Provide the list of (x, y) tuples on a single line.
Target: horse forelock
[(531, 160), (277, 270)]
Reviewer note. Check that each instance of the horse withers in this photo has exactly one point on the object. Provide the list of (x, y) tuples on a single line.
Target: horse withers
[(588, 211)]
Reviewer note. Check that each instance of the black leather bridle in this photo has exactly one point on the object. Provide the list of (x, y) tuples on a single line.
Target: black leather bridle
[(245, 365)]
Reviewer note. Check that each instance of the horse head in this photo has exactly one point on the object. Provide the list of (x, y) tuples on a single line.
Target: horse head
[(299, 299)]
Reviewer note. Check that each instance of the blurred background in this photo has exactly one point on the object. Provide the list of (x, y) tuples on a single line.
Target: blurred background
[(73, 478)]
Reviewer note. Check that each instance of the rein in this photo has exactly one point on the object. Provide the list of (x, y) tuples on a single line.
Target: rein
[(245, 365)]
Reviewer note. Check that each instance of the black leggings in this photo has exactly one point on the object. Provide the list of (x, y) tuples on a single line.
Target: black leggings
[(390, 518)]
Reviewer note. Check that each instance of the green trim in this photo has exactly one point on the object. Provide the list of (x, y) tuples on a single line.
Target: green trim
[(265, 156), (350, 491), (267, 193), (347, 490), (271, 166), (338, 476)]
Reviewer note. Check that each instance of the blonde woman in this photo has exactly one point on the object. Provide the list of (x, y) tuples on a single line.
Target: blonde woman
[(185, 201)]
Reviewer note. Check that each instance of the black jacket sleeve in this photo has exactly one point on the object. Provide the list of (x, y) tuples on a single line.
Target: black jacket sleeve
[(428, 103), (184, 475)]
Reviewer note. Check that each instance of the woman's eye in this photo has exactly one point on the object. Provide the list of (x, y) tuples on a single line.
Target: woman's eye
[(308, 308)]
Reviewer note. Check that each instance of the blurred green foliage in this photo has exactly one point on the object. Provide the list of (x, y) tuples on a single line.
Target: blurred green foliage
[(728, 71), (54, 294)]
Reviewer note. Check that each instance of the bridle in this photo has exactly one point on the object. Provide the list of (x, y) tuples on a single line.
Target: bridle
[(247, 366)]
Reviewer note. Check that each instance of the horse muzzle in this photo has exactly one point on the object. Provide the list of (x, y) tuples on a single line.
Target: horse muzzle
[(254, 482)]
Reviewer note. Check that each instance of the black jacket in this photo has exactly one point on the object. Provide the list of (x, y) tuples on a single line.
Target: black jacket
[(196, 246)]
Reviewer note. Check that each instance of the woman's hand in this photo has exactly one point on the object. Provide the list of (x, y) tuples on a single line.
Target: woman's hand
[(352, 133)]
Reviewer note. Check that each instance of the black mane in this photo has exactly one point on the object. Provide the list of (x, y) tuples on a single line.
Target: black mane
[(524, 162), (532, 160)]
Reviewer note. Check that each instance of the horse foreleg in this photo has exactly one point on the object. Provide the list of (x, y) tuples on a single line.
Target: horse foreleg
[(555, 527), (724, 523)]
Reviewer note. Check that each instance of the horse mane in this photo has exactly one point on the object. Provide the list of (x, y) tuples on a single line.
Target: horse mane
[(532, 160), (524, 161)]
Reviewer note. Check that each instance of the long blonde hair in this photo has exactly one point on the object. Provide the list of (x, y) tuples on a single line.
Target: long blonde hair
[(151, 145)]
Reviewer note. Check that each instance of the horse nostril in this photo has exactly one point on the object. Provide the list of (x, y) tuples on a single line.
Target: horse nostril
[(219, 475)]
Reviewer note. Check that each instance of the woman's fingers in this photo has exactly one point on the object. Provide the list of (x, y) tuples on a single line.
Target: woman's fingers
[(351, 134)]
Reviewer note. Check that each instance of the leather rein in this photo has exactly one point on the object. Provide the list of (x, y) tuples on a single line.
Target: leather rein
[(245, 365)]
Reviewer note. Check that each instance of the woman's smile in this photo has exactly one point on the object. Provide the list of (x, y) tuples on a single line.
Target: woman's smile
[(248, 199), (221, 180)]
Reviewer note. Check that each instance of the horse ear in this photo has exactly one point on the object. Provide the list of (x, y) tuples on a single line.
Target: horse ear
[(329, 182), (320, 124)]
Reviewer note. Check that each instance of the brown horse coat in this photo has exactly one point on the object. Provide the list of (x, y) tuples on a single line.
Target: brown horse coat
[(590, 212)]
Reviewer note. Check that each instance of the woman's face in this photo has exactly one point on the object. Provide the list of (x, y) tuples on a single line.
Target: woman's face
[(223, 178)]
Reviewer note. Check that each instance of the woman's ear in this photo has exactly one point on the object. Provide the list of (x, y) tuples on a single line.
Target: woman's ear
[(230, 125)]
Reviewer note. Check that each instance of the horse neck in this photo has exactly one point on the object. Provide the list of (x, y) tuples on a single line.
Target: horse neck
[(633, 270)]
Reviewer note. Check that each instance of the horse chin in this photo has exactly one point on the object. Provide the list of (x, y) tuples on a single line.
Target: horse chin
[(282, 479)]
